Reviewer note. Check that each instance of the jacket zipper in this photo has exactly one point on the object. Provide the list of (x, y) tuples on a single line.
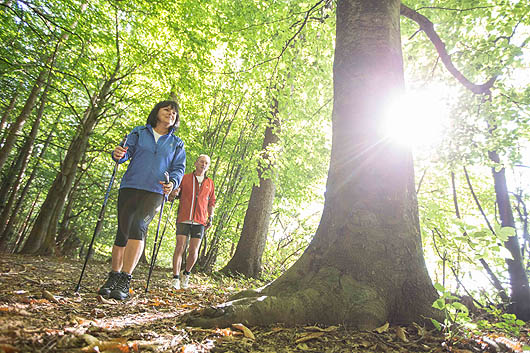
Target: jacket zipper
[(192, 215)]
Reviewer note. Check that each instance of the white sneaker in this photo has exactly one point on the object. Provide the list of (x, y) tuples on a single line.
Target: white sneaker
[(185, 281), (175, 283)]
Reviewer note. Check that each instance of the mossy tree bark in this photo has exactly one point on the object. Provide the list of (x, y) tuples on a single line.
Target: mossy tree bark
[(365, 264)]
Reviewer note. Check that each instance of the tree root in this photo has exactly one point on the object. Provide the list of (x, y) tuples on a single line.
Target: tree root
[(328, 298)]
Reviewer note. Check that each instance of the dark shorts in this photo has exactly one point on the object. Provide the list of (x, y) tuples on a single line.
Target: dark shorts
[(136, 209), (193, 230)]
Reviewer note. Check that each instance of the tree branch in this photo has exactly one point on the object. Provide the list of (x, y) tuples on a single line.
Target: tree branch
[(493, 278), (427, 26), (477, 201)]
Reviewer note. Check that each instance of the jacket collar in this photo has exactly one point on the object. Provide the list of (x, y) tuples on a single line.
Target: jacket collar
[(150, 128)]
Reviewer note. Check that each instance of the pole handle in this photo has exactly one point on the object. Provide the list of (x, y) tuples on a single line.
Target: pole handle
[(123, 141)]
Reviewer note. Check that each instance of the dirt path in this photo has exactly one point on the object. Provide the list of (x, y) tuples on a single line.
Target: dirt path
[(40, 313)]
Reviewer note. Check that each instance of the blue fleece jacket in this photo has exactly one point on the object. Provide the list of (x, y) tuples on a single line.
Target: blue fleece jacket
[(149, 159)]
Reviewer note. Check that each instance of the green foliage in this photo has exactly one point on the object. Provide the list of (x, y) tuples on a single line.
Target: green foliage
[(484, 39), (225, 62), (455, 313), (507, 323)]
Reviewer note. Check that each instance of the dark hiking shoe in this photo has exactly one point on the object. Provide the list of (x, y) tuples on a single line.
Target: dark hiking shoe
[(109, 285), (121, 290)]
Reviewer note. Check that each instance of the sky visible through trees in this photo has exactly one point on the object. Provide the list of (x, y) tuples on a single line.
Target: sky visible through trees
[(103, 64)]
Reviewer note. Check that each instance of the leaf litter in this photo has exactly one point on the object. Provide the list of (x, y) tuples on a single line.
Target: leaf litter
[(39, 312)]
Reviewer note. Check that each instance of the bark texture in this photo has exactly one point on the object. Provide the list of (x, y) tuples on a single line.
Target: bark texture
[(365, 264)]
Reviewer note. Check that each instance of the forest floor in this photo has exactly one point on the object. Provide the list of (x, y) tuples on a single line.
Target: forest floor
[(39, 312)]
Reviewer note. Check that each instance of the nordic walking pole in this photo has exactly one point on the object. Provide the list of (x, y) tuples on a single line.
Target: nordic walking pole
[(99, 224), (153, 256), (164, 230)]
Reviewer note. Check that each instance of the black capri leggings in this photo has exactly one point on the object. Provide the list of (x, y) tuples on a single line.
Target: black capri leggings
[(136, 209)]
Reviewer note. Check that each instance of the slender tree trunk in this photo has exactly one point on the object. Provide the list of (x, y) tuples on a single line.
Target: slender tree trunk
[(13, 179), (25, 225), (5, 234), (48, 66), (16, 127), (231, 187), (249, 251), (365, 265), (494, 280), (64, 232), (7, 112), (206, 262), (520, 295), (41, 240), (523, 218)]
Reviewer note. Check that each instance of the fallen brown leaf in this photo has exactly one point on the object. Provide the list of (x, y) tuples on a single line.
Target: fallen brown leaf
[(89, 339), (400, 332), (49, 296), (383, 328), (309, 336), (107, 346), (7, 348), (278, 329), (246, 331), (326, 329), (223, 331), (105, 301)]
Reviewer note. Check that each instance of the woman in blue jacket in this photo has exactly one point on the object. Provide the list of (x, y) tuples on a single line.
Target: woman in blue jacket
[(152, 150)]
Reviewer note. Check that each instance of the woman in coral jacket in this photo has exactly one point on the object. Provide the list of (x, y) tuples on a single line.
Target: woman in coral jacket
[(152, 149), (195, 214)]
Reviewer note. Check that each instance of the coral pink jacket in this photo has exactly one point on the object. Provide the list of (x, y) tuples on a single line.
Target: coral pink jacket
[(194, 200)]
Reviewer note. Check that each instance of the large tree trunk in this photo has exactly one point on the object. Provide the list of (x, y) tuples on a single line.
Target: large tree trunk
[(41, 239), (249, 251), (365, 264), (520, 295)]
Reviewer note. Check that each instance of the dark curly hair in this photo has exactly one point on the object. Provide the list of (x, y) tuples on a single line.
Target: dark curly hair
[(152, 118)]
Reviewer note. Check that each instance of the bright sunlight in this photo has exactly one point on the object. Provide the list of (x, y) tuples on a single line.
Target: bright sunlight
[(418, 118)]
